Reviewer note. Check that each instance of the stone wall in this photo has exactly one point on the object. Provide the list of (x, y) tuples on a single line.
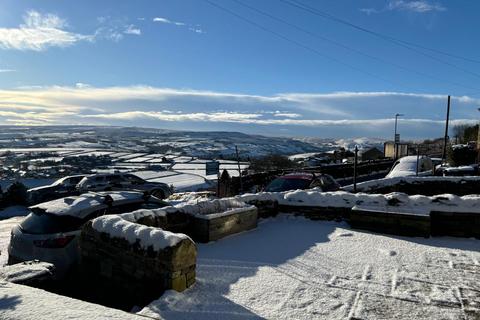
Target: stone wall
[(397, 223), (216, 219), (216, 226), (427, 186), (141, 273)]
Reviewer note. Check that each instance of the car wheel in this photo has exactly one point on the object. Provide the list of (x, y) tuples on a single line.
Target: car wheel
[(158, 194)]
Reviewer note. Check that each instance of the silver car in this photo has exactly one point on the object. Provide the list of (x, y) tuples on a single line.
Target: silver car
[(123, 181), (51, 231)]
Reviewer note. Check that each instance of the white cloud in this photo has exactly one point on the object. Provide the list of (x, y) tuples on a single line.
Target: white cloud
[(336, 114), (39, 32), (162, 20), (131, 29), (7, 70), (415, 6), (194, 28), (82, 85), (419, 6)]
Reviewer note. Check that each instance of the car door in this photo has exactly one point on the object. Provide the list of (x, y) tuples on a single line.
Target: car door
[(115, 182)]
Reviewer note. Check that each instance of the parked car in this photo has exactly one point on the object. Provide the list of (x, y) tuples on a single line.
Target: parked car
[(407, 166), (461, 171), (123, 181), (63, 187), (51, 231), (303, 180)]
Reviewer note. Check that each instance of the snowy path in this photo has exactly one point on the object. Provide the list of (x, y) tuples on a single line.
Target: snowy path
[(291, 268)]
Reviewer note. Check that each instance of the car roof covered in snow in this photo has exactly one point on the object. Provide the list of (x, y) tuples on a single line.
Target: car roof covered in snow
[(83, 205)]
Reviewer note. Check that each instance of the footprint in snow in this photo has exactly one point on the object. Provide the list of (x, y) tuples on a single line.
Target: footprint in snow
[(390, 253), (345, 234)]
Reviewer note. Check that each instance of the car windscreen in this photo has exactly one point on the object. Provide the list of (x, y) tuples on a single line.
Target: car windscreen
[(282, 184), (46, 223)]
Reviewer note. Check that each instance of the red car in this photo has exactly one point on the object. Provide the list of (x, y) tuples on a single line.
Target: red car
[(303, 180)]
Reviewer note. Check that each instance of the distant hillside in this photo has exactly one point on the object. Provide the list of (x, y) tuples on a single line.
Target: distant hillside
[(193, 143)]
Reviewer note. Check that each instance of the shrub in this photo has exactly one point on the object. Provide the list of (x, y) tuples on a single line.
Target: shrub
[(16, 194)]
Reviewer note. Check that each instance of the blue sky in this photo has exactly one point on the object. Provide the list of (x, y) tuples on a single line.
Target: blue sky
[(270, 67)]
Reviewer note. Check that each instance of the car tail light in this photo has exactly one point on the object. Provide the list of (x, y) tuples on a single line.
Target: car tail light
[(53, 243)]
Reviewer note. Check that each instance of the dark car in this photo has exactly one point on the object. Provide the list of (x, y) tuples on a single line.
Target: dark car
[(63, 187), (123, 181), (51, 231), (303, 180)]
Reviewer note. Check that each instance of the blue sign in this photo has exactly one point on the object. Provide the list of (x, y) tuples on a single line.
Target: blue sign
[(212, 167)]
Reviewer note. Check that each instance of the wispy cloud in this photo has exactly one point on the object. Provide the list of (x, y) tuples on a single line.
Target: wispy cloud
[(194, 28), (419, 6), (39, 32), (415, 6), (132, 29), (7, 70), (333, 114)]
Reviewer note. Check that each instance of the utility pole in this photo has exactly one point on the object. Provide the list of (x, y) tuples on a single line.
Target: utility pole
[(445, 139), (239, 171), (478, 141), (418, 158), (395, 139), (355, 170)]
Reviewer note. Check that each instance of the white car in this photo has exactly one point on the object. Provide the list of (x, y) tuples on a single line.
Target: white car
[(50, 232), (407, 166)]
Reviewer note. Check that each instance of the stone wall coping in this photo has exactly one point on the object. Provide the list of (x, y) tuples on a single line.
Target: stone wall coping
[(117, 227)]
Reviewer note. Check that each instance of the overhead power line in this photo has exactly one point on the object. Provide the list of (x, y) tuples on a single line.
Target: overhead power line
[(339, 44), (402, 43), (299, 44)]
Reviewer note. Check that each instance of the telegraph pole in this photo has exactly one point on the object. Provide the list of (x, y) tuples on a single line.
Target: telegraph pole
[(445, 140), (239, 170), (355, 169)]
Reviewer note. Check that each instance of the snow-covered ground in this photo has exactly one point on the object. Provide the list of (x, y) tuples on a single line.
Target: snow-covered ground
[(292, 268), (20, 302)]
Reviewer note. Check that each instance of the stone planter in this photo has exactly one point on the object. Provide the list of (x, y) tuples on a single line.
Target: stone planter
[(213, 220)]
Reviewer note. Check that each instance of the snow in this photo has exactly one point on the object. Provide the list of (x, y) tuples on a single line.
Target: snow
[(81, 206), (117, 227), (293, 268), (192, 197), (25, 271), (224, 206), (389, 202), (27, 303), (183, 182), (407, 166), (387, 182)]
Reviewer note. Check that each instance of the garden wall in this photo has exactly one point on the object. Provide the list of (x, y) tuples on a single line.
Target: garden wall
[(134, 260), (394, 213), (428, 186)]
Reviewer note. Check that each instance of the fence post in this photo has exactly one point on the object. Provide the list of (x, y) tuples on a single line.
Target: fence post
[(418, 158)]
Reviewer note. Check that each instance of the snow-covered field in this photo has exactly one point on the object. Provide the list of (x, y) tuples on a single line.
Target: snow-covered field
[(292, 268)]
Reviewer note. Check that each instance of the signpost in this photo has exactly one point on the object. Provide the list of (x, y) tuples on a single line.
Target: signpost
[(212, 167)]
